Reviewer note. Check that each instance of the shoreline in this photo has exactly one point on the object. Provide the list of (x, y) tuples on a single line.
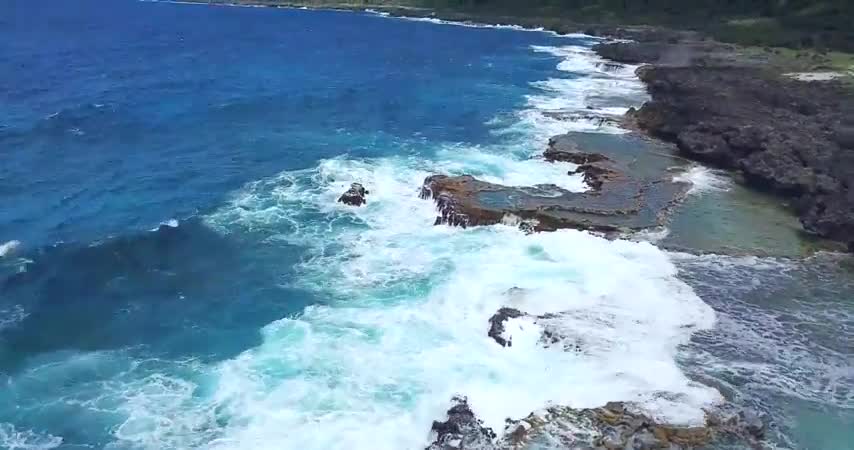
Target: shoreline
[(300, 308), (558, 25), (669, 51), (813, 189)]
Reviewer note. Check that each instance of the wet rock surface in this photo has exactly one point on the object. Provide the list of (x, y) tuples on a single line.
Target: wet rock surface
[(355, 196), (618, 425), (617, 201), (461, 430), (722, 106), (565, 150), (785, 136), (497, 325), (595, 118), (615, 426), (550, 332)]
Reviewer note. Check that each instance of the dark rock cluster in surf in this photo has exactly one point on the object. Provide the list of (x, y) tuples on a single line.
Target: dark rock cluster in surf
[(462, 430), (550, 333), (355, 196)]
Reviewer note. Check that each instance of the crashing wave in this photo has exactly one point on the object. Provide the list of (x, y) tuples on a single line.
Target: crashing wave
[(9, 248)]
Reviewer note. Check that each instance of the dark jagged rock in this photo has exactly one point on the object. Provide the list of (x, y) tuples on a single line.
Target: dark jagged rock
[(618, 203), (787, 137), (598, 173), (592, 118), (565, 150), (550, 335), (355, 196), (496, 325), (462, 430)]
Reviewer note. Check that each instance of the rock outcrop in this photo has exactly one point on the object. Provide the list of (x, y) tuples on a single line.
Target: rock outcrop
[(550, 333), (564, 150), (617, 201), (461, 430), (722, 106), (785, 136), (496, 325), (670, 53), (355, 196), (618, 425), (615, 426)]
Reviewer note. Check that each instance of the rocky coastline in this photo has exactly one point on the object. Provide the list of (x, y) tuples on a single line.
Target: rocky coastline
[(721, 105), (718, 106), (614, 426), (618, 201), (792, 138)]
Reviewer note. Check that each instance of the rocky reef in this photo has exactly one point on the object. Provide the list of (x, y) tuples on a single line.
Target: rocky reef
[(355, 196), (788, 137), (615, 426), (616, 202), (461, 430)]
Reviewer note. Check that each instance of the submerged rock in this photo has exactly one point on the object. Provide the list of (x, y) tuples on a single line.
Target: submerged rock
[(461, 430), (355, 196)]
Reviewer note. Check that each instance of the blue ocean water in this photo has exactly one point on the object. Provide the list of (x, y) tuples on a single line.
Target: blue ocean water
[(119, 116), (177, 273)]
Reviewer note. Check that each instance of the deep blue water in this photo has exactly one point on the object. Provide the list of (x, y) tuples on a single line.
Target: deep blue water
[(118, 116), (185, 278)]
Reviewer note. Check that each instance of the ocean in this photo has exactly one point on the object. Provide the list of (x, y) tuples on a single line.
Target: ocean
[(175, 270)]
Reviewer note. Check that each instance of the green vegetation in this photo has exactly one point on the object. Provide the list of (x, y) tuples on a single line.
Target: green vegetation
[(798, 24), (804, 60), (785, 23)]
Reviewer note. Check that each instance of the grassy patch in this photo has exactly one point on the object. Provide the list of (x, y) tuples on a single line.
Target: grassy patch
[(792, 60)]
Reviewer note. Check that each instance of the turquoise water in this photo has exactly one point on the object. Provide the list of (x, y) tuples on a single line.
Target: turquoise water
[(177, 272)]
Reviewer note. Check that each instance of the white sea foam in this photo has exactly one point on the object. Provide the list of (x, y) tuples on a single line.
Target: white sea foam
[(403, 326), (9, 248), (470, 24), (592, 99), (12, 438), (150, 406), (379, 13), (11, 315), (407, 327), (774, 333), (438, 21), (704, 179)]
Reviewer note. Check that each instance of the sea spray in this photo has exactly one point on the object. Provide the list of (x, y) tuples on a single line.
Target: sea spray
[(408, 305)]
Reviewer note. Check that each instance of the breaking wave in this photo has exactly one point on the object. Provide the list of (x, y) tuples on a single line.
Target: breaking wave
[(403, 327)]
